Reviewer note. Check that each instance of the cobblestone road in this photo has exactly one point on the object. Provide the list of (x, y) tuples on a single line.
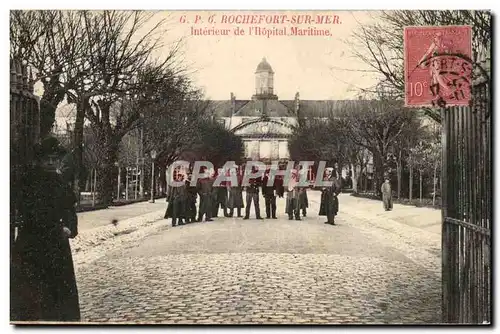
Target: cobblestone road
[(368, 269)]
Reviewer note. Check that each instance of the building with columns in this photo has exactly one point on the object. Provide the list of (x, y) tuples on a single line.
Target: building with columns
[(265, 122)]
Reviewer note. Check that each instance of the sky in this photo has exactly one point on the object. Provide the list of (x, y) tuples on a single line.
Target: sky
[(313, 66), (310, 65)]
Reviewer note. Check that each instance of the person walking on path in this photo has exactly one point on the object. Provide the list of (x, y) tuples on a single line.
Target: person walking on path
[(43, 284), (329, 202), (387, 194)]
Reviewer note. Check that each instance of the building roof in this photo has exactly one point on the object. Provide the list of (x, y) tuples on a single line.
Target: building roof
[(282, 108), (324, 108), (264, 66), (222, 108), (255, 108)]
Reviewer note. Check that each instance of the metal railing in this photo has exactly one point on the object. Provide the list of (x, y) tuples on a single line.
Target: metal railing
[(24, 131), (467, 217)]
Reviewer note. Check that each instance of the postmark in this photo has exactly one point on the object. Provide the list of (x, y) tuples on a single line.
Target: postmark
[(438, 67)]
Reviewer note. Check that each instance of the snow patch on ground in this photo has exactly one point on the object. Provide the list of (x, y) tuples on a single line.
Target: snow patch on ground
[(93, 244)]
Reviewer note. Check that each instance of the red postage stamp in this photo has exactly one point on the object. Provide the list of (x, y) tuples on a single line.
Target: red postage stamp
[(438, 65)]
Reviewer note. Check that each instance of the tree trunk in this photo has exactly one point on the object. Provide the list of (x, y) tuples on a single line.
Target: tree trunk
[(354, 178), (51, 98), (118, 184), (162, 179), (88, 185), (136, 180), (94, 187), (363, 178), (78, 148), (399, 171), (47, 117), (434, 184), (378, 174), (126, 183), (420, 173), (106, 171), (141, 187), (141, 180), (410, 196)]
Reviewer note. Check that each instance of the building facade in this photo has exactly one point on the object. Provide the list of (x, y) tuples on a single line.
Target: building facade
[(264, 122)]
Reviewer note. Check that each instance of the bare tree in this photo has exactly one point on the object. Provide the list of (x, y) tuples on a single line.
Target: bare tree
[(122, 79), (53, 45), (375, 125), (312, 141), (217, 144)]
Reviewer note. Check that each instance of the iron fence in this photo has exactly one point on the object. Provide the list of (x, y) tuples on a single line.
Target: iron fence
[(24, 131), (467, 200)]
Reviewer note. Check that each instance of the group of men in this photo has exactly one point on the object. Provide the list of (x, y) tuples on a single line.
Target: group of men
[(182, 200)]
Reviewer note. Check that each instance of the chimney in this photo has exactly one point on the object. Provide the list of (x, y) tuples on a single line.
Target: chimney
[(233, 104), (297, 102)]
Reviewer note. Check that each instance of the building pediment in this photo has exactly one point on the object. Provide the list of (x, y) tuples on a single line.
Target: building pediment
[(263, 128)]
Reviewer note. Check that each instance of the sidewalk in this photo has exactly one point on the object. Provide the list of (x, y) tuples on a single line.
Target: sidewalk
[(98, 218), (424, 218), (97, 235)]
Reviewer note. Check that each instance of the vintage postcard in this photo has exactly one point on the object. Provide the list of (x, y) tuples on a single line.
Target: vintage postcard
[(250, 167)]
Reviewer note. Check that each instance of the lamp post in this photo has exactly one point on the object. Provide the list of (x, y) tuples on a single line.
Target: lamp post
[(153, 157)]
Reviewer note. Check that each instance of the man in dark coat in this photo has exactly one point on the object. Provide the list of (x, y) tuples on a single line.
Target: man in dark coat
[(292, 207), (252, 191), (43, 284), (303, 200), (329, 201), (280, 188), (178, 196), (191, 201), (204, 188), (269, 193), (170, 206), (235, 198), (219, 196)]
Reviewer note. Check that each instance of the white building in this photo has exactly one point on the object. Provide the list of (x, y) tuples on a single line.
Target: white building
[(264, 122)]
